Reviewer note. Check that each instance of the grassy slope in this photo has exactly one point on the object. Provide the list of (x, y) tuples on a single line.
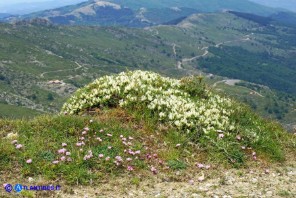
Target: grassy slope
[(16, 112)]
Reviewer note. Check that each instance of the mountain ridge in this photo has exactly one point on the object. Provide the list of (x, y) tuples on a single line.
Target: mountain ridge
[(141, 13)]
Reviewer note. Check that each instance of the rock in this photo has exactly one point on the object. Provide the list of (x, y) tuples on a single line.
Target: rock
[(269, 193), (30, 179), (254, 180)]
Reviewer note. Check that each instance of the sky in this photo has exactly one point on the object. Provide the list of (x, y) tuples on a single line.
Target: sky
[(3, 2), (11, 2), (28, 6)]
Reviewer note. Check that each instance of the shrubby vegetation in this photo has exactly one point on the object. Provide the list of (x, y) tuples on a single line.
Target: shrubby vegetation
[(261, 68), (164, 98)]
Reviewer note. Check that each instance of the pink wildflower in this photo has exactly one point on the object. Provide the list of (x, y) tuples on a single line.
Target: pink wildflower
[(14, 142), (200, 165), (238, 137), (153, 170), (109, 147), (62, 151), (191, 182), (221, 135), (137, 152), (29, 161), (129, 159), (107, 158), (101, 131), (101, 155), (201, 178), (78, 144), (64, 144), (118, 158), (18, 146), (86, 129), (130, 138), (160, 162), (99, 139), (63, 158), (69, 159), (84, 133), (267, 171), (55, 162), (130, 168), (208, 166)]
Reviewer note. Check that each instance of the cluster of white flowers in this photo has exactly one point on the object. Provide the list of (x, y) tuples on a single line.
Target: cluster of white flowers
[(162, 96)]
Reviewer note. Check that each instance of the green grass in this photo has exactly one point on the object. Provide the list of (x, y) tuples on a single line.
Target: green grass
[(43, 136), (9, 111)]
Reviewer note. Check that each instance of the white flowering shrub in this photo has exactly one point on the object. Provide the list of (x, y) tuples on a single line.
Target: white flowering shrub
[(163, 97)]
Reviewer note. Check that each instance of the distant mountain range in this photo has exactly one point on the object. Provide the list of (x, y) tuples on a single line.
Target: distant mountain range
[(140, 13), (287, 4), (4, 15)]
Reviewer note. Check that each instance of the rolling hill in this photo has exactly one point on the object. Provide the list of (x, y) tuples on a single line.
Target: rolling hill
[(287, 4), (204, 6), (4, 15)]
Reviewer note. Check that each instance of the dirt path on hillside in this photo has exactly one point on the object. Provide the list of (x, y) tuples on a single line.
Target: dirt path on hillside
[(206, 51), (232, 82), (61, 70)]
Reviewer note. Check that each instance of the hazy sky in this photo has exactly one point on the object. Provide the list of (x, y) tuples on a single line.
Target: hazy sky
[(3, 2), (11, 2)]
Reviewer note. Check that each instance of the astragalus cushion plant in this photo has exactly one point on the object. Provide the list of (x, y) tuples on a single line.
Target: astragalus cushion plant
[(164, 98)]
